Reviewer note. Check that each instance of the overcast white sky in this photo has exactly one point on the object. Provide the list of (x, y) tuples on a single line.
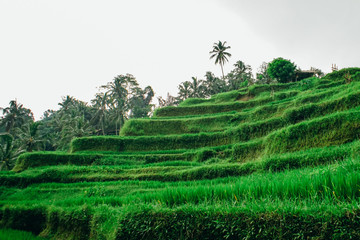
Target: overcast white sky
[(50, 49)]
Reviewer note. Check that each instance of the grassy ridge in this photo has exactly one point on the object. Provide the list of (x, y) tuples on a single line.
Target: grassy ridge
[(210, 167), (9, 234), (337, 98), (340, 99), (284, 165), (200, 109), (311, 133), (37, 159), (254, 198)]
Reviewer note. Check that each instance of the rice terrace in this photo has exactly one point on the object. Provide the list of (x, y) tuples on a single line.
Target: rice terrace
[(264, 161)]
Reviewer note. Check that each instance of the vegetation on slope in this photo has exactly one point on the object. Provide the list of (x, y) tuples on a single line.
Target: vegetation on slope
[(277, 161)]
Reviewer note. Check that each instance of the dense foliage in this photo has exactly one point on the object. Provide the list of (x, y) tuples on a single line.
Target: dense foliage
[(282, 70)]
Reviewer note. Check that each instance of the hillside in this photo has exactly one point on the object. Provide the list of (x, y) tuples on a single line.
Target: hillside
[(276, 161)]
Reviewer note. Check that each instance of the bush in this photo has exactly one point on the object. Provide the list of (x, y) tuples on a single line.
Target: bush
[(282, 70)]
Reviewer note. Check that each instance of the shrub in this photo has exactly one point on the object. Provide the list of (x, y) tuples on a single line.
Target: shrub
[(282, 70)]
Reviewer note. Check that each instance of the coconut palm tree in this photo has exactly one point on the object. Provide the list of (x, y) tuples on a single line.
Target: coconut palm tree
[(74, 127), (100, 103), (213, 85), (220, 54), (119, 90), (28, 136), (239, 75), (184, 91), (8, 155), (139, 102), (169, 101), (196, 87), (15, 116)]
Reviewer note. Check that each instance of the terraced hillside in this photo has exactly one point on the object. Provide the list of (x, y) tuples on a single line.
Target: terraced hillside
[(266, 162)]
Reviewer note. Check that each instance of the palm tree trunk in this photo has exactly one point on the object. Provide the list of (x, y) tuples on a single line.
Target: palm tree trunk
[(102, 127), (222, 70)]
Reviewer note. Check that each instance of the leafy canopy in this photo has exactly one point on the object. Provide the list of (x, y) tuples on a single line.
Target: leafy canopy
[(220, 54), (282, 70)]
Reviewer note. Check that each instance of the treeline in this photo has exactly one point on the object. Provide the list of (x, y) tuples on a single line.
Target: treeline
[(113, 104), (278, 71)]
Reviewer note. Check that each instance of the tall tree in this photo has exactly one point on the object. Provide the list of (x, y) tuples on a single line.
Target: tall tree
[(15, 116), (262, 76), (239, 75), (184, 91), (213, 85), (139, 102), (50, 129), (169, 101), (8, 154), (100, 103), (119, 91), (282, 70), (28, 136), (220, 54), (74, 127), (196, 88)]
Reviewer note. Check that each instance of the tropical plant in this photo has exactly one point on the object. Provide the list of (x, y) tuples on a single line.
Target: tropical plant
[(220, 54), (184, 91), (15, 116), (239, 75), (196, 88), (213, 85), (169, 101), (100, 103), (118, 91), (50, 129), (8, 154), (74, 128), (28, 136), (262, 76), (139, 102)]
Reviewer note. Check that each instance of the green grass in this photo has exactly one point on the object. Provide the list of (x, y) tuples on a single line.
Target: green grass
[(310, 196), (275, 161), (10, 234)]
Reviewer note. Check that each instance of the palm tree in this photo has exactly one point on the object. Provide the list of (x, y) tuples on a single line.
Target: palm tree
[(28, 136), (8, 155), (50, 129), (196, 88), (213, 85), (139, 102), (220, 54), (242, 68), (15, 116), (100, 103), (67, 102), (262, 76), (73, 128), (119, 91), (184, 91), (169, 101), (239, 75)]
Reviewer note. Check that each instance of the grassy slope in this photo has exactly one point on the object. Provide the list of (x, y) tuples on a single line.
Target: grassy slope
[(265, 162)]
